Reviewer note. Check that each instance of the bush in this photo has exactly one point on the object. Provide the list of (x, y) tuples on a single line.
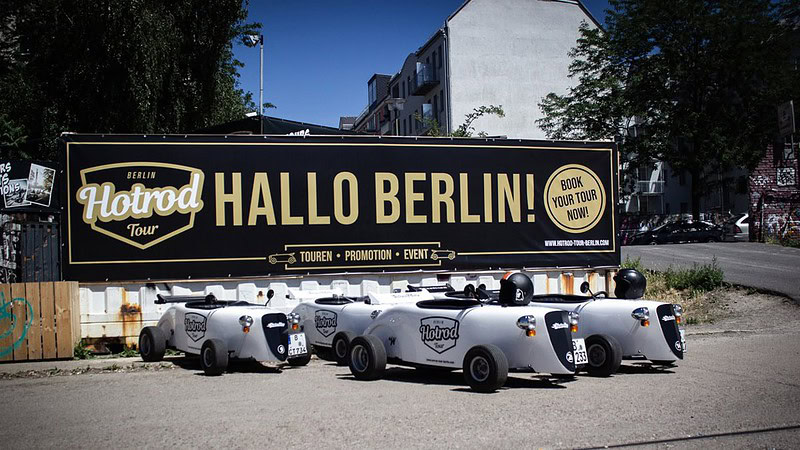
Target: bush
[(81, 351), (706, 277)]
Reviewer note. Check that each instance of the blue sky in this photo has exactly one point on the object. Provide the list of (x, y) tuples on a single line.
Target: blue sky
[(319, 55)]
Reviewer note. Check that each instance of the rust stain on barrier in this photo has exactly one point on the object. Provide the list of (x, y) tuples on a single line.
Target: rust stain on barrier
[(590, 278), (567, 283), (131, 316)]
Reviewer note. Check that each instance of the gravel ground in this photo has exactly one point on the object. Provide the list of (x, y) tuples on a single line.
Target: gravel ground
[(738, 387)]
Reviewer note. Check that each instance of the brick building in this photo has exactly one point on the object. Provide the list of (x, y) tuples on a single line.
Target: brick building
[(775, 195)]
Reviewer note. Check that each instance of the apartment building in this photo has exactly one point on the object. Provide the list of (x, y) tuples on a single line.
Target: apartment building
[(488, 52)]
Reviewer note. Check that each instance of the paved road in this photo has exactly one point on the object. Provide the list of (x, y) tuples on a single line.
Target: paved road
[(734, 390), (763, 266)]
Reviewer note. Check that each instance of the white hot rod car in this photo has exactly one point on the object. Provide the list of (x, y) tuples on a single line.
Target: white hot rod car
[(220, 330), (414, 329), (626, 327)]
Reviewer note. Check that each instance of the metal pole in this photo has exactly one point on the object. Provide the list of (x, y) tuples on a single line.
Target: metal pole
[(261, 87)]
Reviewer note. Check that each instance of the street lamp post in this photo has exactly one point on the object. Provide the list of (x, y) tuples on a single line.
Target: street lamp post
[(261, 85)]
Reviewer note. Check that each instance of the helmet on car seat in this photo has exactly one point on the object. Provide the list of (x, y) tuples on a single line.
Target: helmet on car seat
[(630, 284), (516, 289)]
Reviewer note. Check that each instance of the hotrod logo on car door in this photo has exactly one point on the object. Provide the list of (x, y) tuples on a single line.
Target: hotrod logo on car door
[(325, 322), (439, 333), (195, 326)]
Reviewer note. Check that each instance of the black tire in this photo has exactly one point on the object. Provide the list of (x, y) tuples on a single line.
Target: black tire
[(300, 360), (485, 368), (711, 239), (152, 344), (341, 347), (604, 354), (367, 358), (214, 357), (664, 363), (653, 242)]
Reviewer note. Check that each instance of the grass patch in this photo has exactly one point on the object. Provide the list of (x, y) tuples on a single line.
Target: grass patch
[(81, 351), (696, 289), (786, 241)]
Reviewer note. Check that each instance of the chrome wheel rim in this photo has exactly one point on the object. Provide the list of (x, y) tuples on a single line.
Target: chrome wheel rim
[(479, 368), (360, 358), (597, 355), (341, 348), (208, 357)]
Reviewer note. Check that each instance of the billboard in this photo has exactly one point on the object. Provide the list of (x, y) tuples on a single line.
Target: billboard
[(178, 207)]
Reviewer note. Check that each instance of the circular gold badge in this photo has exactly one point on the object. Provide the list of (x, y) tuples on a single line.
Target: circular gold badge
[(574, 198)]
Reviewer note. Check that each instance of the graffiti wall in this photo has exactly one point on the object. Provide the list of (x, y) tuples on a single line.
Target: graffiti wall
[(775, 195)]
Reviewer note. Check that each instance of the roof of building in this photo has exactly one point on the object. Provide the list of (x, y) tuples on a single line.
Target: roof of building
[(272, 125)]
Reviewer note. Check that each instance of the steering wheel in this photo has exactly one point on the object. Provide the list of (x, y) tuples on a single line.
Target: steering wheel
[(599, 293)]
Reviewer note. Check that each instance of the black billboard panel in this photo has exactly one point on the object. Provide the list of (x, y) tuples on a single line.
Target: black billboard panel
[(177, 207)]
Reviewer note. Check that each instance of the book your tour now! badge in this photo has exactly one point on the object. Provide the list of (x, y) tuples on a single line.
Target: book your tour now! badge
[(574, 198)]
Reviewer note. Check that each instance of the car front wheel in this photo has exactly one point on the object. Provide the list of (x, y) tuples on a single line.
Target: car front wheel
[(367, 358), (152, 344), (485, 368), (341, 347), (604, 354), (214, 357)]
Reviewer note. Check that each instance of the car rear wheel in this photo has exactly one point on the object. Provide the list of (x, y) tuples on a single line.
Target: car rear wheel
[(341, 347), (604, 354), (152, 344), (485, 368), (367, 358), (214, 357)]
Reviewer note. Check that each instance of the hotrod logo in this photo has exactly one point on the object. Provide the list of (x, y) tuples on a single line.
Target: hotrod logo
[(668, 318), (140, 203), (195, 326), (439, 333), (325, 322), (559, 326)]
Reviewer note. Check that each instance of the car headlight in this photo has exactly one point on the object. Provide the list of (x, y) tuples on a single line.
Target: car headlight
[(677, 312), (527, 323), (642, 315), (574, 317), (246, 322)]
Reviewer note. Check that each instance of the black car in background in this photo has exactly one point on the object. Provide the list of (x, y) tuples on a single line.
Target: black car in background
[(675, 232)]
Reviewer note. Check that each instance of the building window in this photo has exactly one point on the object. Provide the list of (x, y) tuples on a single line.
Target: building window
[(408, 81), (435, 104), (434, 60), (441, 104), (439, 60), (405, 130), (682, 179), (372, 93), (396, 91), (404, 89)]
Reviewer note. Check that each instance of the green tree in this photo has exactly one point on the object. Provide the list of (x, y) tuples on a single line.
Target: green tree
[(140, 66), (699, 78), (465, 129)]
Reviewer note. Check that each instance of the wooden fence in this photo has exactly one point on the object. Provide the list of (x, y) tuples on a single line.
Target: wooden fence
[(39, 320)]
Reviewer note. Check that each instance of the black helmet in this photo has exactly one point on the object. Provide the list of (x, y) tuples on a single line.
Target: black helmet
[(630, 284), (516, 289)]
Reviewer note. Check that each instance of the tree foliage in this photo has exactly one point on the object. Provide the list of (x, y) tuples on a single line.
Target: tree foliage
[(699, 79), (106, 66), (466, 129)]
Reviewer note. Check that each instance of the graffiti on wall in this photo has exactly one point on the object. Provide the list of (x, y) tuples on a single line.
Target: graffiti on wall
[(9, 322)]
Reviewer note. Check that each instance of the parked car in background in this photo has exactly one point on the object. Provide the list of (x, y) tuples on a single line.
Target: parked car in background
[(676, 232), (738, 227)]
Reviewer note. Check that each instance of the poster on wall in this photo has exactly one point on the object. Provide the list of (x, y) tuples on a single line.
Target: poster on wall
[(28, 186), (178, 207)]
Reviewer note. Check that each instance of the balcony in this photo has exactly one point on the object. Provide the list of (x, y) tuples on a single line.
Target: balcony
[(649, 187), (425, 79)]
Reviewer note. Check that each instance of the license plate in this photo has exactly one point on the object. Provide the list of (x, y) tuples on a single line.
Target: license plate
[(579, 349), (297, 344), (683, 341)]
